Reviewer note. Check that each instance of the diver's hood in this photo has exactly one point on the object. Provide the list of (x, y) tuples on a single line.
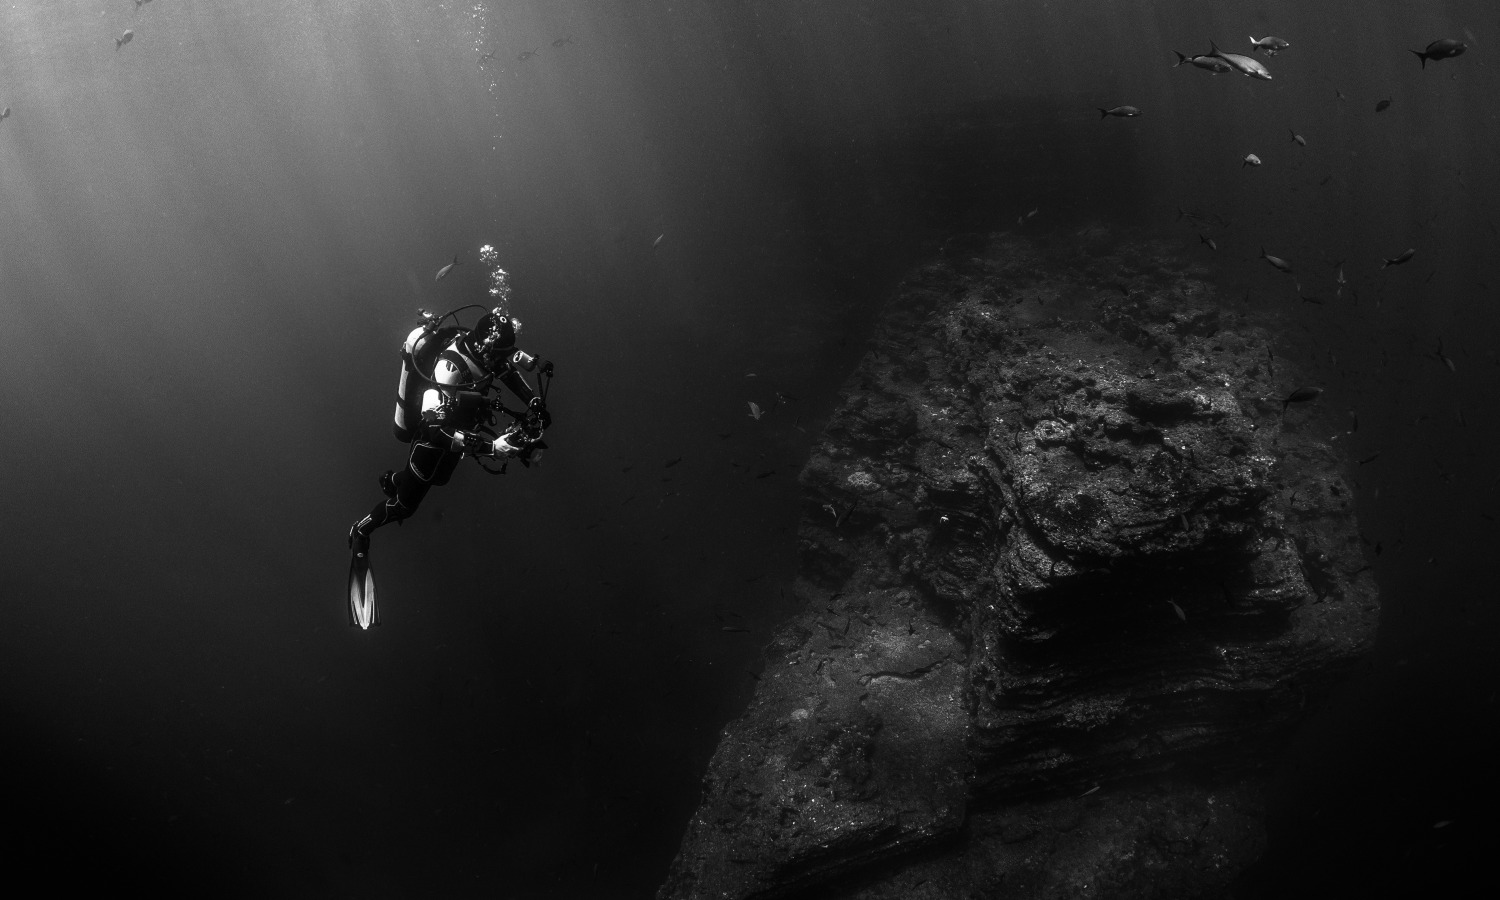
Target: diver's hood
[(493, 335)]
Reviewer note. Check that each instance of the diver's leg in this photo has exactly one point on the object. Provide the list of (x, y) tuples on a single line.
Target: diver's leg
[(404, 492)]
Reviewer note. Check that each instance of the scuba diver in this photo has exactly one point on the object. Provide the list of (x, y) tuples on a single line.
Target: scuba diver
[(445, 411)]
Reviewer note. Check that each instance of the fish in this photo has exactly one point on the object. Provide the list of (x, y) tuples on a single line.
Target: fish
[(657, 243), (124, 39), (1119, 111), (1245, 64), (1444, 357), (5, 114), (735, 629), (1400, 258), (1301, 395), (672, 462), (141, 3), (1371, 458), (1209, 241), (1382, 106), (1276, 261), (1341, 280), (443, 272), (1444, 49), (489, 55), (1250, 160), (1178, 610), (562, 40), (1211, 63), (766, 474), (527, 54), (1326, 178), (1271, 45), (755, 411), (1298, 139)]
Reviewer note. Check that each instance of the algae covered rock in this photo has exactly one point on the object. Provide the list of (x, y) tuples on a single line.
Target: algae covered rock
[(1070, 579)]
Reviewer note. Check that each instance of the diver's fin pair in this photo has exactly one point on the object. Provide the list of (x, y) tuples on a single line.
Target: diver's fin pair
[(362, 609)]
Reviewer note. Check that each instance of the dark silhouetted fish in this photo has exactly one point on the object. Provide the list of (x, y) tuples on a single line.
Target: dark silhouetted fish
[(443, 272), (1399, 258), (1382, 106), (562, 40), (1124, 112), (124, 39), (1444, 49), (527, 54), (1301, 395)]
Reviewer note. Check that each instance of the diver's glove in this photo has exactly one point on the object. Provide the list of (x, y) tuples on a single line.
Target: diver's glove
[(512, 443), (538, 411)]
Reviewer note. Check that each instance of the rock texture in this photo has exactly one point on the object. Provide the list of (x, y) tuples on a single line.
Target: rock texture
[(1073, 571)]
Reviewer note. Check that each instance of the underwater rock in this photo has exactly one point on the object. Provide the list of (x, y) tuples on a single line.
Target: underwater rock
[(1087, 579)]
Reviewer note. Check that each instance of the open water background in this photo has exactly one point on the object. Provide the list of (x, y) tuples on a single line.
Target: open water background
[(213, 239)]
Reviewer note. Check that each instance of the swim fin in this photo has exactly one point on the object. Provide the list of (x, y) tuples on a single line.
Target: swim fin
[(362, 609)]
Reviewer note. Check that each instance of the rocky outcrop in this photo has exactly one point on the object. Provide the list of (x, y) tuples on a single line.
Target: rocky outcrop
[(1073, 570)]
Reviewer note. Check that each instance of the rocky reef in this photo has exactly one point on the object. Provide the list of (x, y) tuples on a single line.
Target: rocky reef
[(1073, 570)]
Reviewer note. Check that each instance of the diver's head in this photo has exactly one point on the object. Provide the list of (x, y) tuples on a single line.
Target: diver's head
[(493, 337)]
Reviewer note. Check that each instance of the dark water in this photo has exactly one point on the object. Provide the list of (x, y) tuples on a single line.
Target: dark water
[(213, 239)]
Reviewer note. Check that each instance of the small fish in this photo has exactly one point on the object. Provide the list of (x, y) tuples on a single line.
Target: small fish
[(562, 40), (1444, 49), (1178, 610), (1276, 261), (5, 114), (443, 272), (1382, 106), (755, 411), (1301, 395), (1271, 45), (1340, 280), (489, 55), (1298, 139), (1211, 63), (1443, 357), (657, 243), (1033, 212), (1250, 160), (1209, 241), (672, 462), (527, 54), (766, 474), (1371, 458), (1120, 111), (141, 3), (124, 39), (1249, 66), (735, 628), (1400, 258)]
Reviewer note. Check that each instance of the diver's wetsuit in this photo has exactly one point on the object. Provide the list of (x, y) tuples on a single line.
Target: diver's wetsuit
[(453, 416)]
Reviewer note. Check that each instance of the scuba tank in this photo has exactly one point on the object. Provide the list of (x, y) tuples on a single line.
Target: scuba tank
[(418, 356)]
